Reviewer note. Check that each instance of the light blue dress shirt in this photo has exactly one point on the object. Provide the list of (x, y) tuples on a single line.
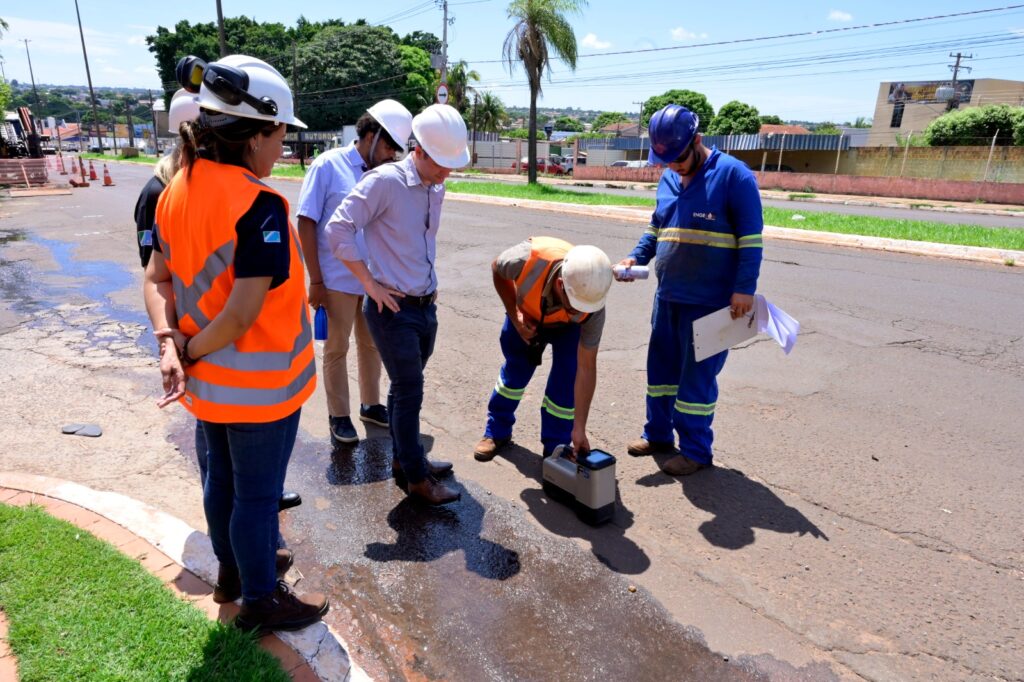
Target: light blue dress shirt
[(399, 217), (329, 180)]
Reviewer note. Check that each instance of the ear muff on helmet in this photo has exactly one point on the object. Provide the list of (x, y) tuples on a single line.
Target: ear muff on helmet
[(189, 73)]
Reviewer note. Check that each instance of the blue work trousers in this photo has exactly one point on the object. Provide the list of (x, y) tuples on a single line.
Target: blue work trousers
[(558, 406), (681, 392), (405, 341), (246, 466)]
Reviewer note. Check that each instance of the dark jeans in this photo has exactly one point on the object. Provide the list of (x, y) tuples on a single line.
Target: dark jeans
[(405, 341), (246, 465)]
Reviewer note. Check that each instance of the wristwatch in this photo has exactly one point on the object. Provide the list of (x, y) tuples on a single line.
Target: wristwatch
[(183, 355)]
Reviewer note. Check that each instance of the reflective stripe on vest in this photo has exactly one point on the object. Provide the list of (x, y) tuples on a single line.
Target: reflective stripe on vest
[(269, 371), (532, 283), (702, 237)]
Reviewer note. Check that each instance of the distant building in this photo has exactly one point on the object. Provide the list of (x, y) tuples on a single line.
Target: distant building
[(622, 129), (782, 129), (906, 107)]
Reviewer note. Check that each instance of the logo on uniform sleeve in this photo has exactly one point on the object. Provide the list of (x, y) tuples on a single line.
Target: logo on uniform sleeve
[(145, 237), (271, 236)]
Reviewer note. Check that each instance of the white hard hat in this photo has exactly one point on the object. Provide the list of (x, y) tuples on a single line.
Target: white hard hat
[(184, 107), (586, 277), (441, 132), (247, 87), (395, 119)]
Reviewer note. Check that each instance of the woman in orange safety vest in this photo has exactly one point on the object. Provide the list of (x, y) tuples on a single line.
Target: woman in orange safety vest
[(225, 291)]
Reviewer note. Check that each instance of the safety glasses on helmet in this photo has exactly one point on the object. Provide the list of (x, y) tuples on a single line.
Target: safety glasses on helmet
[(687, 153)]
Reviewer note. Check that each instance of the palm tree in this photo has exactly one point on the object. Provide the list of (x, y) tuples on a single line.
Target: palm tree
[(490, 113), (459, 90), (540, 29)]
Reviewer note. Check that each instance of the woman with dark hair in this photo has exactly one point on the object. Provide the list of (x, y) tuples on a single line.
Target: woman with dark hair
[(225, 291)]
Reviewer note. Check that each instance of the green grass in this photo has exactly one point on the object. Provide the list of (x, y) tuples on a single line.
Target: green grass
[(915, 230), (801, 195), (545, 193), (110, 157), (80, 610), (288, 170)]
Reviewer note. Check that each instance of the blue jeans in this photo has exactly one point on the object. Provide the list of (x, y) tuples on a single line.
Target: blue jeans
[(557, 410), (405, 341), (246, 466)]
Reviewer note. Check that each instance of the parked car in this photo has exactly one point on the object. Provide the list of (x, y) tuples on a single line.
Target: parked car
[(543, 166), (287, 153), (622, 163)]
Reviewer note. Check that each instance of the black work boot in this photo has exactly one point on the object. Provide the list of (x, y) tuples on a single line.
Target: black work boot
[(282, 609), (229, 583)]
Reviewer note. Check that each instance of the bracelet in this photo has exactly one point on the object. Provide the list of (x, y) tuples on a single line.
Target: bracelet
[(313, 284), (183, 356)]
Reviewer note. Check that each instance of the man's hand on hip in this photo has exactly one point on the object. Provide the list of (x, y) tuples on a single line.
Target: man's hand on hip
[(384, 296)]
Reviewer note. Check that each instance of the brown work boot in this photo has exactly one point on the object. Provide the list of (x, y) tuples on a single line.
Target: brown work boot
[(431, 492), (644, 448), (229, 583), (436, 469), (488, 447), (282, 609), (682, 466)]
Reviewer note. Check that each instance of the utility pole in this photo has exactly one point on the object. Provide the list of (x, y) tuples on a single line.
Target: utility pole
[(295, 101), (32, 75), (639, 125), (88, 76), (954, 102), (476, 100), (220, 31), (156, 139), (444, 41), (2, 72), (129, 102)]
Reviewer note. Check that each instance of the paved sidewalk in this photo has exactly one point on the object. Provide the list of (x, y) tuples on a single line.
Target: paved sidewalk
[(180, 557)]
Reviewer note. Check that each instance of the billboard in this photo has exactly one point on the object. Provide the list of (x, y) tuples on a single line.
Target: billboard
[(929, 91)]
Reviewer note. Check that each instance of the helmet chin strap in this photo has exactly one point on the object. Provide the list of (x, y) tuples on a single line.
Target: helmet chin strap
[(371, 161)]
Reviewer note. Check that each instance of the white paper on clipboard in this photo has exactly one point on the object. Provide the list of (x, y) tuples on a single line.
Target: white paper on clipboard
[(718, 331)]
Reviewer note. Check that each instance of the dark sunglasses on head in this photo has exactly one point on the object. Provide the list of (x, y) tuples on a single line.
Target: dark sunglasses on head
[(228, 84), (682, 158)]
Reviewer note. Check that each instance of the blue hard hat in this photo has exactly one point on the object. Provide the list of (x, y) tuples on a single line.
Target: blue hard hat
[(672, 129)]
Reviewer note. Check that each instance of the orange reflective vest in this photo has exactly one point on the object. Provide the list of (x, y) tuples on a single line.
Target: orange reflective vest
[(268, 372), (532, 283)]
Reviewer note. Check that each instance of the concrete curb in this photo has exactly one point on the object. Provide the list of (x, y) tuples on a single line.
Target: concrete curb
[(969, 253), (319, 646)]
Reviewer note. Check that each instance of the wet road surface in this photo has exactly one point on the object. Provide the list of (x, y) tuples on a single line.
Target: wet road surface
[(473, 591)]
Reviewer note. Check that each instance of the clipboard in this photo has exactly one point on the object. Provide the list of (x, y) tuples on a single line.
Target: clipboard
[(718, 331)]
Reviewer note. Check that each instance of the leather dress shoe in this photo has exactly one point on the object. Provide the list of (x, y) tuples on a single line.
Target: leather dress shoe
[(682, 466), (435, 469), (289, 500), (431, 491)]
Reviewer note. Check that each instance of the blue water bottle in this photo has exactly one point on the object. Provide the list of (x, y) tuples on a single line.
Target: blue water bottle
[(320, 324)]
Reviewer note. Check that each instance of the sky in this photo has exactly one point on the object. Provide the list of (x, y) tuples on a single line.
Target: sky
[(828, 68)]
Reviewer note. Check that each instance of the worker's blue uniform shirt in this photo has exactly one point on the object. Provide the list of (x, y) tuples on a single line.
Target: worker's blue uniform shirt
[(706, 237)]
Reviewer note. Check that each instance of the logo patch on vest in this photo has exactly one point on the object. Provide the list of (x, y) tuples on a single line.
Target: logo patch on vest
[(271, 236), (145, 237), (709, 216)]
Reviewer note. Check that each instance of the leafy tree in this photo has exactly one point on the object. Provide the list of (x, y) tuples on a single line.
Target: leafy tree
[(540, 29), (344, 70), (419, 78), (5, 95), (827, 128), (771, 119), (975, 126), (735, 118), (524, 134), (607, 118), (568, 123), (694, 101), (1018, 131), (424, 40), (861, 122)]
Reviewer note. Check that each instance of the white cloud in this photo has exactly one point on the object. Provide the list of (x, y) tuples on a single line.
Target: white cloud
[(680, 34), (137, 40), (111, 69), (55, 37), (839, 15), (148, 70), (591, 40), (1017, 31)]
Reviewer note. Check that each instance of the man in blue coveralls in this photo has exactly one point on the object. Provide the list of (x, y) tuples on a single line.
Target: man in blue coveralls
[(706, 235)]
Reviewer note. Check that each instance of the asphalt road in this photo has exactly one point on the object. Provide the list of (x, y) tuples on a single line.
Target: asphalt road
[(863, 520), (798, 206)]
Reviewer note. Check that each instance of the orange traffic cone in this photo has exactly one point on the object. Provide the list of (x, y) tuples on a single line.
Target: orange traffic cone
[(63, 170), (74, 166), (92, 171), (107, 181)]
